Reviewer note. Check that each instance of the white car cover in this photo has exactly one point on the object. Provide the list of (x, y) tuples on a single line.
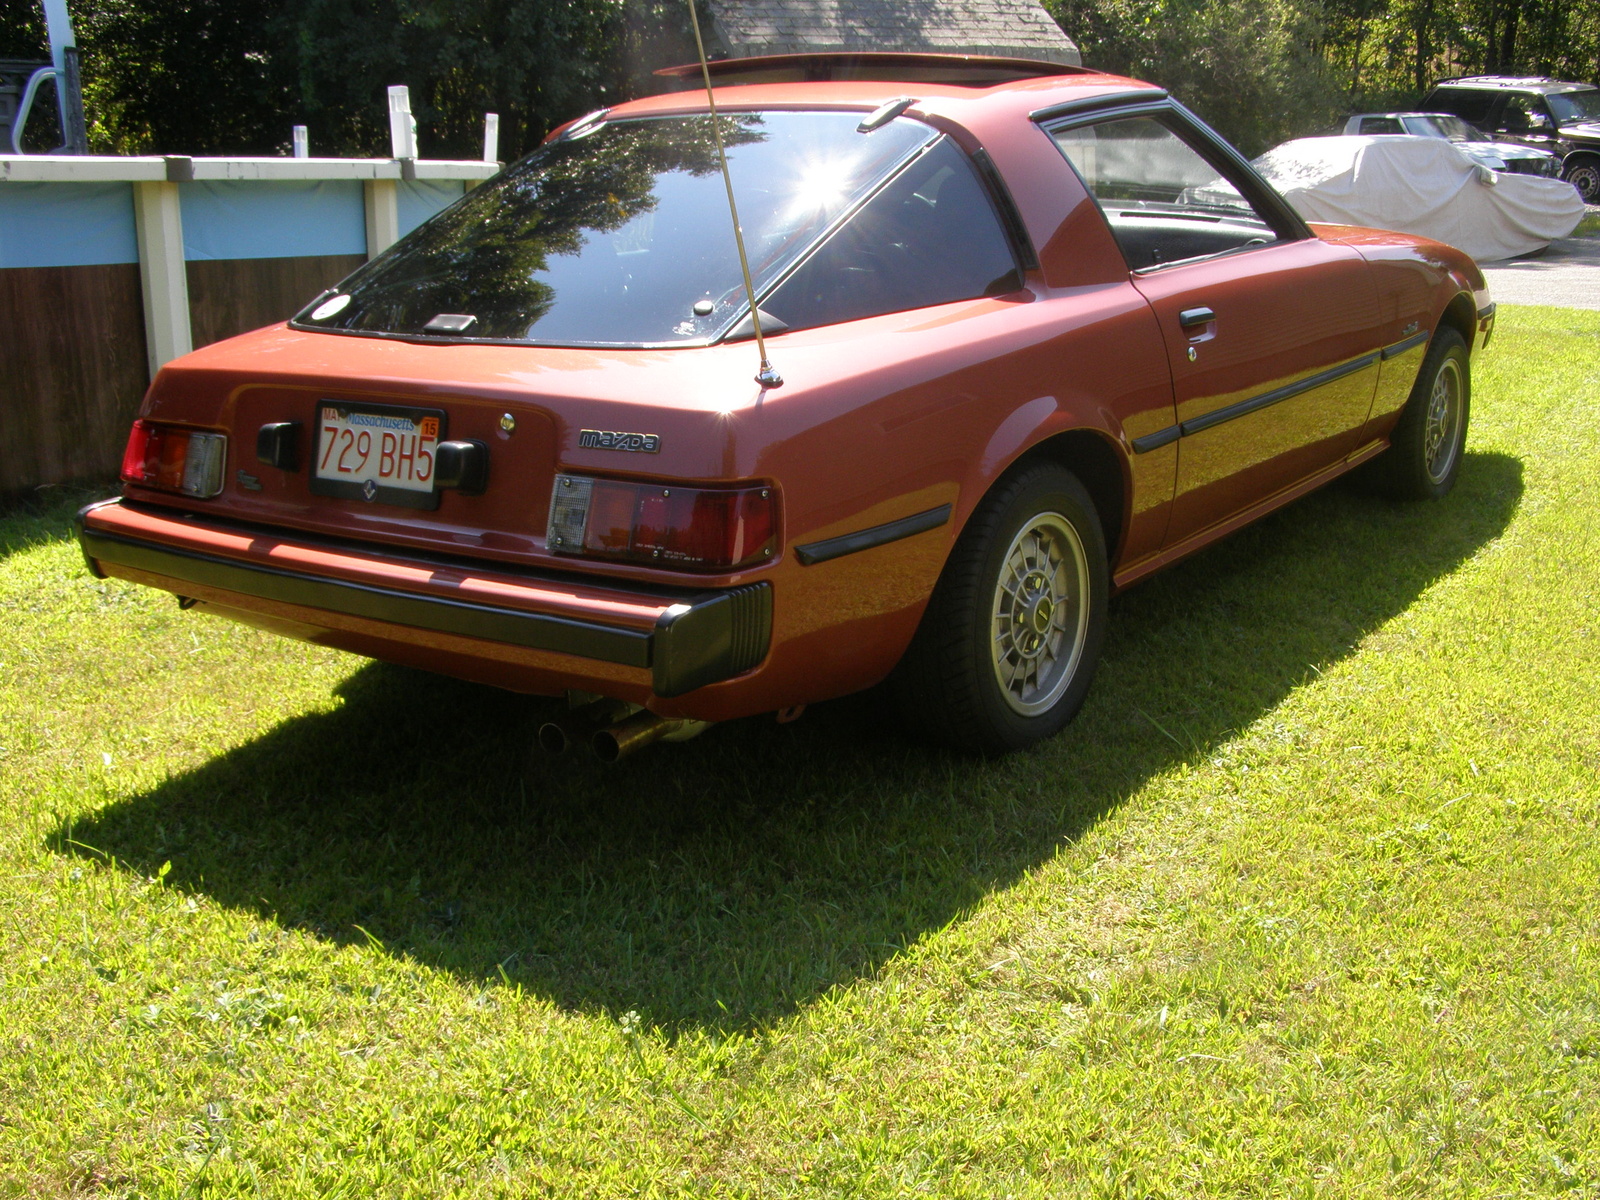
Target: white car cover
[(1423, 186)]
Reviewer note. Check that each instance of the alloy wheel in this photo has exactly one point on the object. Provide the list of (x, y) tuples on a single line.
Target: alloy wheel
[(1040, 615), (1440, 442)]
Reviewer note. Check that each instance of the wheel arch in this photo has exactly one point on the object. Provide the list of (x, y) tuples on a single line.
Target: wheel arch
[(951, 683), (1100, 467), (1461, 315)]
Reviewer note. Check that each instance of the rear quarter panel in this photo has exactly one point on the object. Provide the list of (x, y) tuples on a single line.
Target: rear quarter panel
[(1422, 284), (926, 409)]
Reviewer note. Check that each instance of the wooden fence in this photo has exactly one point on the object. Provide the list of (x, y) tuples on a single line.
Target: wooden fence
[(110, 267)]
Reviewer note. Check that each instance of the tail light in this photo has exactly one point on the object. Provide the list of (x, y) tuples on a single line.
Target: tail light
[(685, 528), (170, 459)]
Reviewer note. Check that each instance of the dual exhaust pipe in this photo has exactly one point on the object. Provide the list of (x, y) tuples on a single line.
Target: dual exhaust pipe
[(614, 730)]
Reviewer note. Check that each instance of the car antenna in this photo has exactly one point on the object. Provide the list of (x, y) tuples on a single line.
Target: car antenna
[(767, 376)]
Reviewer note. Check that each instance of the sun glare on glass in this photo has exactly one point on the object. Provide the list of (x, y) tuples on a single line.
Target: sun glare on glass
[(822, 185)]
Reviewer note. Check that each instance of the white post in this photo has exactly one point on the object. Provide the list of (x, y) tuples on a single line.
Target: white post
[(402, 127), (159, 223), (491, 137), (58, 27), (302, 145), (383, 215)]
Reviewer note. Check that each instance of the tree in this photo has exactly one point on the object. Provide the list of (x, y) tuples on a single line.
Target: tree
[(536, 62), (1252, 68), (233, 76), (1265, 70)]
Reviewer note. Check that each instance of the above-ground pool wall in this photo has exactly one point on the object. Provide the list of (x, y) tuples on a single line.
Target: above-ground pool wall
[(103, 279), (255, 252), (72, 345)]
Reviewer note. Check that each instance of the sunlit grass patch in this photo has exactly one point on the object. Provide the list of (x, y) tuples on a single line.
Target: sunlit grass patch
[(1305, 901)]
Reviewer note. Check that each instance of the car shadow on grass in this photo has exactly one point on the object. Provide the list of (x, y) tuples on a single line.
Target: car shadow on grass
[(44, 515), (729, 880)]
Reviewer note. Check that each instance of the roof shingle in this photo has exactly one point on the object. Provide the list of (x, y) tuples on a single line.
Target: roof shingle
[(1010, 28)]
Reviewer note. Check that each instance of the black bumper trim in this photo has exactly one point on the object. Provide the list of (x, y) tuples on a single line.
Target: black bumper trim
[(704, 640), (537, 631), (719, 637), (878, 535)]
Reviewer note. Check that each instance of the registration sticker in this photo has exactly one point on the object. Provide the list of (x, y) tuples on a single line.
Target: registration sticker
[(378, 453)]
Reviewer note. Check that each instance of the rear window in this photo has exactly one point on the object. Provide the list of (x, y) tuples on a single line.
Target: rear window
[(621, 236), (1380, 125), (930, 237), (1439, 125)]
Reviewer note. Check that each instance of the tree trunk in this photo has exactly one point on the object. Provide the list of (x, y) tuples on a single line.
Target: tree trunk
[(1424, 46), (1355, 58), (1508, 39)]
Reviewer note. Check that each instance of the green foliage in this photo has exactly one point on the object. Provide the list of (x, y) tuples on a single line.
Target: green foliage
[(22, 30), (536, 62), (232, 76), (1262, 71), (1249, 67), (183, 78)]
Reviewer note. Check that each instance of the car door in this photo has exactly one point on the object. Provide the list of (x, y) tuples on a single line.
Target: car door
[(1271, 335), (1527, 121)]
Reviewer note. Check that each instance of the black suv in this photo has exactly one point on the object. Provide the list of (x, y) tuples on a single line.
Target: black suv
[(1563, 118)]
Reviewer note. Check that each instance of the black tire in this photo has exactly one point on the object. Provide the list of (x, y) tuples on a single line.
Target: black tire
[(1426, 447), (1037, 528), (1584, 174)]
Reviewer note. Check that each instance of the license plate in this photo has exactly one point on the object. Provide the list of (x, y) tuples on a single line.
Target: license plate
[(380, 453)]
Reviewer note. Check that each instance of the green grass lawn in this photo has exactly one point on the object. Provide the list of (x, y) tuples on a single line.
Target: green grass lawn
[(1307, 902)]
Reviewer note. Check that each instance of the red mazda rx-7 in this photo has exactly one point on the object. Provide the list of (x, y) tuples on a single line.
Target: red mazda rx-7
[(1034, 333)]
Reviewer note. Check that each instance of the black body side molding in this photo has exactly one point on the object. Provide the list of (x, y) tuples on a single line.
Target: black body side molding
[(878, 535)]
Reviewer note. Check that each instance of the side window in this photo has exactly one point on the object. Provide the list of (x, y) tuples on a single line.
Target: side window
[(1379, 125), (1524, 114), (1163, 201), (1466, 103), (1514, 116), (930, 237)]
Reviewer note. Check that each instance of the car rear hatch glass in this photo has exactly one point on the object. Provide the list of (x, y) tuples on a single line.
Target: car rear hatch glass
[(620, 236)]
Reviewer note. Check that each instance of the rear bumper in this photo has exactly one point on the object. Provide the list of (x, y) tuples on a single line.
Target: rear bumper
[(684, 640)]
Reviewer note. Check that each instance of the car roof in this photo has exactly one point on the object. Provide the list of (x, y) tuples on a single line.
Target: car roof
[(970, 90), (1396, 113), (1542, 84)]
